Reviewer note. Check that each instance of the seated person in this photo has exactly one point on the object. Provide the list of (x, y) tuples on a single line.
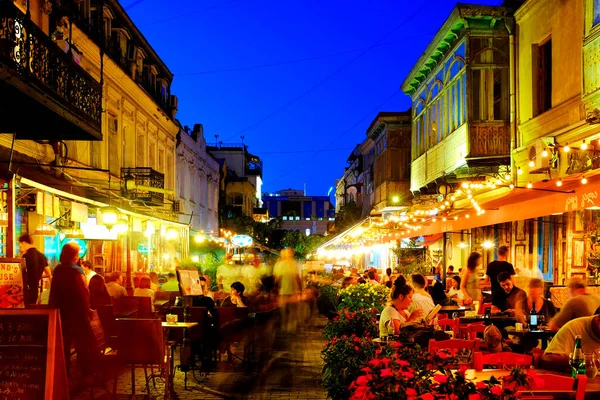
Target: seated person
[(98, 293), (396, 313), (172, 285), (581, 304), (114, 285), (437, 292), (144, 290), (421, 300), (454, 292), (556, 356), (493, 339), (205, 288), (535, 299), (236, 296), (510, 298), (348, 281)]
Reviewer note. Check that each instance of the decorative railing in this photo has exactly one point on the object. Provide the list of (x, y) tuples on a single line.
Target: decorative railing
[(489, 139), (144, 178), (27, 50)]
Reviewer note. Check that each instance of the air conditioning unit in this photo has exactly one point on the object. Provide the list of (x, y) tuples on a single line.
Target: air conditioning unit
[(542, 154), (173, 102), (178, 206)]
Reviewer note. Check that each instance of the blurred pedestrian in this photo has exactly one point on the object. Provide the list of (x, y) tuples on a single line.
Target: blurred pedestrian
[(288, 278)]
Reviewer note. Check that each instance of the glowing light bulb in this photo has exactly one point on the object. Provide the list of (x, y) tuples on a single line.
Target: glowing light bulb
[(519, 171), (531, 163), (566, 149), (545, 153), (583, 180), (584, 145), (444, 219), (447, 203), (482, 211), (467, 216), (507, 177), (456, 217), (559, 183), (465, 185), (452, 198), (529, 185), (511, 186), (498, 182)]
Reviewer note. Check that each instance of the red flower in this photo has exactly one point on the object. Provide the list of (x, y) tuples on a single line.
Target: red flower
[(386, 372), (496, 390), (362, 380), (427, 396), (366, 370), (403, 363), (480, 385), (374, 362), (411, 392), (374, 311), (474, 396), (357, 340), (408, 375), (385, 361), (377, 352), (443, 355), (396, 345), (441, 378), (356, 348)]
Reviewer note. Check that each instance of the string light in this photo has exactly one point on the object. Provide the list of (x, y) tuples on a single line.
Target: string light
[(584, 145), (467, 216), (456, 217), (531, 163), (498, 182), (465, 185), (519, 171), (529, 185), (545, 153), (507, 177), (583, 180), (566, 149), (559, 182), (511, 186)]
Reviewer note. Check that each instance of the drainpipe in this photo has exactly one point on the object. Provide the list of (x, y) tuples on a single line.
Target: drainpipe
[(510, 26)]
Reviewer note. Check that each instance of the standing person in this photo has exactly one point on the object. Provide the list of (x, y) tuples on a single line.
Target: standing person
[(470, 279), (498, 266), (287, 277), (36, 266), (70, 295), (88, 270), (114, 285), (581, 304)]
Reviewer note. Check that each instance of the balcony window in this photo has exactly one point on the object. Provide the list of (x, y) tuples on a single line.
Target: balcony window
[(140, 152), (542, 85), (114, 153)]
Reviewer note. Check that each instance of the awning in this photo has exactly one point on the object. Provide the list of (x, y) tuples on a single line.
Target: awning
[(431, 239), (342, 235)]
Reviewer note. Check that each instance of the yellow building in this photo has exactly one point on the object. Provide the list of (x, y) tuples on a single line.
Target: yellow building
[(131, 167)]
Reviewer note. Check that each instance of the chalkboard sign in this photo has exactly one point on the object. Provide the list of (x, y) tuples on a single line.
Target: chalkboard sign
[(32, 364), (12, 283)]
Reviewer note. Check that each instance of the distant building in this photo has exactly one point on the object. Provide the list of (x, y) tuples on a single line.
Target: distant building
[(349, 186), (197, 182), (299, 212)]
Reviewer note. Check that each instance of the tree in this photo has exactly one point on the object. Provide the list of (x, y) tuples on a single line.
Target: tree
[(301, 244), (348, 215)]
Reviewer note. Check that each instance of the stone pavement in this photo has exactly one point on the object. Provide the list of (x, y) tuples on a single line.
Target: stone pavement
[(292, 372)]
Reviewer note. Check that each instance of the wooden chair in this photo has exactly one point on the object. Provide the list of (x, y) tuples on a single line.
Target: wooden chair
[(234, 327), (104, 361), (449, 324), (109, 324), (556, 385), (507, 359), (474, 329), (134, 307), (141, 345)]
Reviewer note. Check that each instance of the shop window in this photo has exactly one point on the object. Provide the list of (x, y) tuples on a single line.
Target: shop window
[(542, 90)]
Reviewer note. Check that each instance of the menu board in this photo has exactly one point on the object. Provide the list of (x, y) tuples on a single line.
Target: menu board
[(189, 282), (12, 284), (32, 364)]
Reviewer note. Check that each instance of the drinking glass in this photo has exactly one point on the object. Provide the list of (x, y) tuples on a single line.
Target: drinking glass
[(591, 368)]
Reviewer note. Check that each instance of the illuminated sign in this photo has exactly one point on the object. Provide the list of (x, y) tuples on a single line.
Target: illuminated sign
[(91, 231), (80, 242), (241, 240)]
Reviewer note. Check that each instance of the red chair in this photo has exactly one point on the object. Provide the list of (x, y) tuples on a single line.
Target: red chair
[(556, 383), (503, 359), (453, 344), (483, 307), (449, 324), (474, 329)]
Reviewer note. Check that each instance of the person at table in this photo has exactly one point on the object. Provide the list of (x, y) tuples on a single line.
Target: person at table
[(205, 288), (154, 281), (450, 272), (114, 285), (556, 356), (535, 300), (492, 337), (581, 304), (496, 267), (510, 298), (470, 279), (99, 295), (172, 285), (387, 277), (236, 296), (396, 312), (371, 278), (348, 281), (144, 290), (421, 300), (455, 293), (88, 270)]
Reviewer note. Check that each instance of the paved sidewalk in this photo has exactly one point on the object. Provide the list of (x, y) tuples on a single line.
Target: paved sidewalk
[(292, 372)]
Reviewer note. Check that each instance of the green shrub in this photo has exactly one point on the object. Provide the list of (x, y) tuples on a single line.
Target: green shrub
[(364, 296)]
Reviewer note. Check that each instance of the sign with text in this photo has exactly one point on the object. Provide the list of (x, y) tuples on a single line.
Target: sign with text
[(12, 284), (189, 281), (582, 200), (32, 364)]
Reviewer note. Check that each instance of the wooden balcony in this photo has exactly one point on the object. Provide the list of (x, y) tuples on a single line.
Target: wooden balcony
[(488, 140), (46, 95)]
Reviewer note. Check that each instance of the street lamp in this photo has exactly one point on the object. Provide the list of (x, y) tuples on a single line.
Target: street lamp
[(172, 234), (396, 199), (109, 216), (121, 226)]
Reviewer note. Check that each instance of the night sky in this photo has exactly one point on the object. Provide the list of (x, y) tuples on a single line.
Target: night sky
[(301, 81)]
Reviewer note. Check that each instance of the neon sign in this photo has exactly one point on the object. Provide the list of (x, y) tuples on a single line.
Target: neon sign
[(241, 240)]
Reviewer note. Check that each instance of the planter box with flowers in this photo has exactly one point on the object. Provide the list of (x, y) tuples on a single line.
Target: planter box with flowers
[(365, 296)]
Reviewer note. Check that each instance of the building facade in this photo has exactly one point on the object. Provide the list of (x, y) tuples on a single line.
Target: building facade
[(310, 214), (349, 186), (197, 182), (68, 181)]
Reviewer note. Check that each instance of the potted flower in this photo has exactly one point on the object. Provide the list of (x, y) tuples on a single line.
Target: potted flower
[(361, 323), (357, 297)]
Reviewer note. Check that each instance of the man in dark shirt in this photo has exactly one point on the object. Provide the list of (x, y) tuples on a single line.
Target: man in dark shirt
[(70, 295), (496, 267), (36, 264), (509, 298)]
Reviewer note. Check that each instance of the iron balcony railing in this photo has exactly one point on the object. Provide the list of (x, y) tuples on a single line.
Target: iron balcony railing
[(144, 178), (28, 51)]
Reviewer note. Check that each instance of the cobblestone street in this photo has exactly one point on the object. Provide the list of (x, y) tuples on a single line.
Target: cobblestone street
[(293, 371)]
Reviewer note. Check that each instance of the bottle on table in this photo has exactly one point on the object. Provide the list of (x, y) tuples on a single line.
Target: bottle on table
[(577, 359), (390, 329), (533, 318)]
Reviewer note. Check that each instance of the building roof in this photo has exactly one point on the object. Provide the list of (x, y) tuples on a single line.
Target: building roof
[(387, 117), (464, 16)]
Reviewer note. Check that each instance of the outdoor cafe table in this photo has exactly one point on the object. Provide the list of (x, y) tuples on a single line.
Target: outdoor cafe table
[(178, 325), (453, 309), (543, 335)]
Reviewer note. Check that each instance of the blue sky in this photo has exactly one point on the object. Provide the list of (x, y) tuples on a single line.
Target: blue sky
[(301, 81)]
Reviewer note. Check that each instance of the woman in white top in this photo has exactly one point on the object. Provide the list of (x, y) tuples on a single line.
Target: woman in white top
[(397, 312), (144, 290), (455, 290)]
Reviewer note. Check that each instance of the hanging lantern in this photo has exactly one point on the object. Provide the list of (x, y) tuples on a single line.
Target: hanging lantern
[(121, 226), (110, 215)]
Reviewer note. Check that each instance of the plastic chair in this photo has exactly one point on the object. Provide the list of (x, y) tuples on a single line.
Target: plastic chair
[(141, 344), (449, 324), (474, 329), (484, 307), (556, 383), (507, 359)]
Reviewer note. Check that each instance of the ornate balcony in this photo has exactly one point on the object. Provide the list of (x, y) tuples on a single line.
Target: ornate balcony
[(145, 180), (489, 140), (45, 93)]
